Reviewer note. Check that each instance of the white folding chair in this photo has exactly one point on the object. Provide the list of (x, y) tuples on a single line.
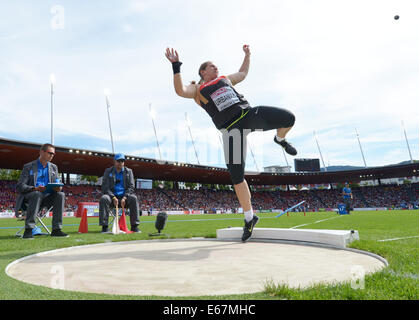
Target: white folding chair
[(112, 215), (42, 213)]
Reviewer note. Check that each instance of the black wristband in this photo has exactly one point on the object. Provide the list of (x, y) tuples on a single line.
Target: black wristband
[(176, 66)]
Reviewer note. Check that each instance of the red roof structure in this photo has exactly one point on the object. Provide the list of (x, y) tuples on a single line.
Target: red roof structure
[(14, 154)]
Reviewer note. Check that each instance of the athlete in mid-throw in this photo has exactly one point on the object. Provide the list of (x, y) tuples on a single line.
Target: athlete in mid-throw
[(235, 118)]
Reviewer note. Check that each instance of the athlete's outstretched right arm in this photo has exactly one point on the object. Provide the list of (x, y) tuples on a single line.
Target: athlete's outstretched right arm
[(181, 90)]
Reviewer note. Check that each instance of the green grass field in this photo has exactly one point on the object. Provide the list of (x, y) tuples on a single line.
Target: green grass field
[(400, 280)]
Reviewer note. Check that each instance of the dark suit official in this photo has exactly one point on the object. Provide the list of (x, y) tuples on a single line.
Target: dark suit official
[(118, 188), (31, 188)]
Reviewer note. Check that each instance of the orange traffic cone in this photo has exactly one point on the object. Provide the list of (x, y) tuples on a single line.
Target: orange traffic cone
[(123, 223), (83, 222)]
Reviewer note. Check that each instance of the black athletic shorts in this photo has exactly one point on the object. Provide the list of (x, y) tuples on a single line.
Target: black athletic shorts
[(235, 137)]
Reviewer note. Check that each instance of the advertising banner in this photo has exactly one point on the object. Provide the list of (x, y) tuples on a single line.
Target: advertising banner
[(92, 209)]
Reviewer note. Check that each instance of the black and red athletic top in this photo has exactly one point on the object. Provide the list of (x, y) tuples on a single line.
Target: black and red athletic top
[(221, 101)]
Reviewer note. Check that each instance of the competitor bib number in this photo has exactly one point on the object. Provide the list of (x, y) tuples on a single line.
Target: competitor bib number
[(224, 98)]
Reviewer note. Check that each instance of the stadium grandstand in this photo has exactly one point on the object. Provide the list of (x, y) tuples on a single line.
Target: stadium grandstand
[(209, 198)]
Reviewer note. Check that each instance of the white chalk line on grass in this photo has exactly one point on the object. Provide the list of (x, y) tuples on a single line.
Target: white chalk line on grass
[(403, 275), (318, 221), (394, 239)]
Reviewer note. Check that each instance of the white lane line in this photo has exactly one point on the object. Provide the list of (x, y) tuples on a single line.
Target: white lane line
[(403, 275), (394, 239), (318, 221)]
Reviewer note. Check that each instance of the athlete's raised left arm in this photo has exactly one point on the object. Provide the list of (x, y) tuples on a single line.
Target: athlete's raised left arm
[(244, 69)]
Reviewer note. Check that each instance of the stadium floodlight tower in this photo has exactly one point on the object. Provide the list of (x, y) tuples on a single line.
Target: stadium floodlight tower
[(253, 155), (407, 142), (52, 85), (153, 116), (360, 147), (318, 147), (108, 106), (188, 123), (286, 160)]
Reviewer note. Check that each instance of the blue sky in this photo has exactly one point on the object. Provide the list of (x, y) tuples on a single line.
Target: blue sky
[(338, 65)]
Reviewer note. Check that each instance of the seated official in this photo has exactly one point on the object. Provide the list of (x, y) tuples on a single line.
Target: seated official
[(31, 188), (118, 190)]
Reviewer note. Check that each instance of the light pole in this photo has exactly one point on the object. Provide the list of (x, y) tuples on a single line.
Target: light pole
[(407, 142), (108, 106), (52, 84), (286, 160), (318, 147), (254, 159), (153, 115), (188, 123), (360, 147)]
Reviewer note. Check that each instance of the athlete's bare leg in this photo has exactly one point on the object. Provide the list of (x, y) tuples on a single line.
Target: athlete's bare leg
[(243, 194), (282, 132)]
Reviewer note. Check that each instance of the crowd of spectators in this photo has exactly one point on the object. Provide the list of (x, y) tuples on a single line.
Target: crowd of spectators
[(155, 199), (7, 195), (80, 193), (390, 196), (401, 195)]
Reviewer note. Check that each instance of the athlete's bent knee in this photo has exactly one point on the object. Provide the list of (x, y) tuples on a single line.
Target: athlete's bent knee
[(291, 119), (237, 180)]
